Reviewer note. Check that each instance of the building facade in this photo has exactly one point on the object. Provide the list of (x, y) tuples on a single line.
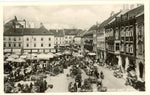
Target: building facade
[(38, 40), (124, 37), (12, 42), (21, 39), (69, 36)]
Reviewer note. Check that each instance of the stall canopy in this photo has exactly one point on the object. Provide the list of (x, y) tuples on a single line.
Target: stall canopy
[(58, 54), (31, 56), (23, 56), (67, 52), (19, 60), (14, 56), (77, 55), (45, 56), (10, 59), (91, 54)]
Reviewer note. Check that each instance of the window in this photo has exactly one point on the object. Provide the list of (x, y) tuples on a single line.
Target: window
[(131, 48), (140, 48), (9, 45), (117, 35), (34, 45), (19, 45), (9, 39), (14, 45), (27, 45), (127, 48), (4, 45), (27, 39), (41, 45), (4, 38), (117, 46), (49, 45), (49, 39), (14, 39), (41, 39), (69, 37), (19, 38), (34, 39)]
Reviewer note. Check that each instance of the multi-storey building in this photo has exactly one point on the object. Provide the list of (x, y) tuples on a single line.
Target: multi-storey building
[(101, 52), (18, 38), (59, 37), (69, 36), (77, 38), (13, 40), (13, 35), (38, 40), (89, 39), (124, 37), (140, 48)]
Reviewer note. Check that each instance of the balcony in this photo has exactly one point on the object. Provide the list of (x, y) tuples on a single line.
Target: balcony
[(117, 52)]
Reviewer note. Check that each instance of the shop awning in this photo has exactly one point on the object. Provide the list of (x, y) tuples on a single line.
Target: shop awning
[(45, 56)]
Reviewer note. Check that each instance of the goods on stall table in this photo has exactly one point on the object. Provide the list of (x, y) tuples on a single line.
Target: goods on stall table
[(87, 87), (117, 73), (102, 89), (50, 85), (92, 80)]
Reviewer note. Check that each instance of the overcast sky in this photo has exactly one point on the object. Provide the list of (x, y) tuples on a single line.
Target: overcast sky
[(62, 16)]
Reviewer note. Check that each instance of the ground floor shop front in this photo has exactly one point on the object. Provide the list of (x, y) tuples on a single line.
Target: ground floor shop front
[(29, 50), (127, 63)]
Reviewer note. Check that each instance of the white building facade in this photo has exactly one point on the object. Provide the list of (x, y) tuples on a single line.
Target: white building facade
[(38, 43)]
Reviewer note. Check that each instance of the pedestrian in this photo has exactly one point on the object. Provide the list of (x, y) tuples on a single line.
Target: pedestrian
[(101, 75), (79, 84), (75, 87)]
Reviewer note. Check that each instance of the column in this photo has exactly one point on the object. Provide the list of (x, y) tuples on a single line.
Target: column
[(137, 70), (120, 63), (126, 64)]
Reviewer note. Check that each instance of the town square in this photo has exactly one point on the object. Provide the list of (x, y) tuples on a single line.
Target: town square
[(74, 48)]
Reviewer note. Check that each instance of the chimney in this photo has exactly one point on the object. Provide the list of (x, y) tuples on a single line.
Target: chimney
[(125, 7), (15, 18), (25, 23), (112, 13), (41, 24)]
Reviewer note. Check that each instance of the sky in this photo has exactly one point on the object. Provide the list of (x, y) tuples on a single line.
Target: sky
[(62, 16)]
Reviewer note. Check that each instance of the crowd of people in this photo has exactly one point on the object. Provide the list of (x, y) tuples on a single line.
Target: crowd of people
[(34, 72)]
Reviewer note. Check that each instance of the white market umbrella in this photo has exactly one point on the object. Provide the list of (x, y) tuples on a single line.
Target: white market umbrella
[(19, 60), (14, 56), (10, 59), (58, 54), (23, 56), (92, 54), (44, 56)]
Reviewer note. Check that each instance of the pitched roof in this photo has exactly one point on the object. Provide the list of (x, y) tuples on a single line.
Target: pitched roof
[(13, 32), (80, 33), (71, 31), (105, 22), (37, 31), (135, 11), (26, 31), (57, 32)]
